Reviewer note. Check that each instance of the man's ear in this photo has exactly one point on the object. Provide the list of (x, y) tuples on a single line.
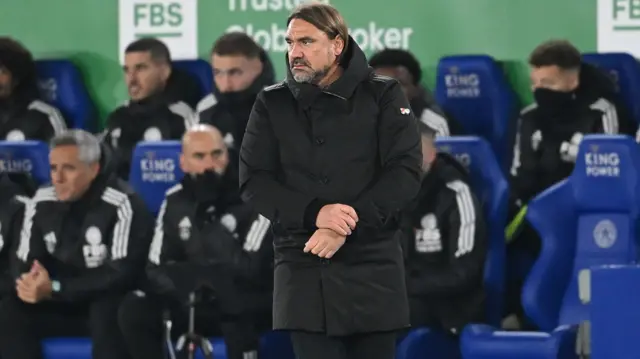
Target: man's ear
[(166, 72), (95, 169), (182, 163), (338, 46)]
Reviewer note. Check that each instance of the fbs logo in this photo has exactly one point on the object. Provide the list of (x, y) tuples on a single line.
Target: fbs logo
[(174, 22), (619, 26)]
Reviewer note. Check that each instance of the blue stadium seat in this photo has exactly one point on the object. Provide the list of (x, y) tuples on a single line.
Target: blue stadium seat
[(26, 156), (586, 220), (615, 319), (625, 71), (201, 70), (62, 86), (474, 91), (274, 345), (424, 343), (155, 167), (492, 190)]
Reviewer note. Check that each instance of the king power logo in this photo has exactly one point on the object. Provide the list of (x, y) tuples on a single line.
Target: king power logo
[(619, 26), (175, 22)]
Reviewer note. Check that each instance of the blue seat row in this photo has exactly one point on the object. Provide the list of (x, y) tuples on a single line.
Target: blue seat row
[(62, 85), (588, 220), (155, 168), (471, 88)]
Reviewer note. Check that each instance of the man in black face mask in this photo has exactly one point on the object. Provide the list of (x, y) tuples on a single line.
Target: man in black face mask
[(241, 69), (203, 220), (572, 99)]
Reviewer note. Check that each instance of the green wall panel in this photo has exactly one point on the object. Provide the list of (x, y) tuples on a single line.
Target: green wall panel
[(87, 31)]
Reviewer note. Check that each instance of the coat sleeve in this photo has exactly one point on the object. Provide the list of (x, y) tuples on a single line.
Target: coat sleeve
[(48, 119), (10, 221), (616, 118), (129, 248), (259, 170), (246, 258), (523, 179), (400, 154), (31, 245), (165, 247), (466, 248)]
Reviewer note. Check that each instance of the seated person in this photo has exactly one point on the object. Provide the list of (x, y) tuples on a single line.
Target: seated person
[(241, 70), (572, 99), (203, 220), (12, 200), (447, 244), (82, 246), (404, 67), (149, 115), (23, 116)]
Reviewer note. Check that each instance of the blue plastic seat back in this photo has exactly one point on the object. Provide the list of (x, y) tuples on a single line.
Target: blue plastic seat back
[(155, 167), (474, 91), (62, 86), (199, 69), (625, 71), (491, 188), (588, 219), (26, 157)]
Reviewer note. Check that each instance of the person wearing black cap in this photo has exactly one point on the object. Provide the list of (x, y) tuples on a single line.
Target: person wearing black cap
[(446, 244), (404, 67)]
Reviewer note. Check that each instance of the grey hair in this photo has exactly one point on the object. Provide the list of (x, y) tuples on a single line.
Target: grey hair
[(88, 145)]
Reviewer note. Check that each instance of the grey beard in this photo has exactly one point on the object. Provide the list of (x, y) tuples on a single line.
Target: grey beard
[(312, 77)]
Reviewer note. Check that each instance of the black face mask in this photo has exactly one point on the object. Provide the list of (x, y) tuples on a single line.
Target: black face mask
[(206, 186), (245, 97), (554, 100)]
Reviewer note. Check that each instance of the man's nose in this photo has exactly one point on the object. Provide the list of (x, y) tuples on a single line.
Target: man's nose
[(130, 78), (224, 83), (295, 52), (56, 177)]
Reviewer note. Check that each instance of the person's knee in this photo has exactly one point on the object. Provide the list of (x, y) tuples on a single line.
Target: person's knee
[(103, 316), (16, 319), (136, 313), (14, 312)]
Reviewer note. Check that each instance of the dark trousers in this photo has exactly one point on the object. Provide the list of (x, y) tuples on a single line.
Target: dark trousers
[(23, 326), (380, 345), (141, 322)]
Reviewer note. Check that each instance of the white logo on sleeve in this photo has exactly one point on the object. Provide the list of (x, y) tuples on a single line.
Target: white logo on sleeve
[(405, 111)]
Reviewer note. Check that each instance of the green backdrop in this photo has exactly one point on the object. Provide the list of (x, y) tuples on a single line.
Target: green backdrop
[(86, 31)]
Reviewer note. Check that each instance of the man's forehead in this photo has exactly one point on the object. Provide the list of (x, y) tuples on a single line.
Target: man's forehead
[(137, 57), (229, 61), (203, 141), (65, 153), (299, 28)]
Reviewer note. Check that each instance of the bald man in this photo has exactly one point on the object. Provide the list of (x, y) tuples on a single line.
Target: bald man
[(203, 220)]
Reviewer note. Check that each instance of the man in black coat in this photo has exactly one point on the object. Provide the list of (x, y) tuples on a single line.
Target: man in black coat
[(330, 156)]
